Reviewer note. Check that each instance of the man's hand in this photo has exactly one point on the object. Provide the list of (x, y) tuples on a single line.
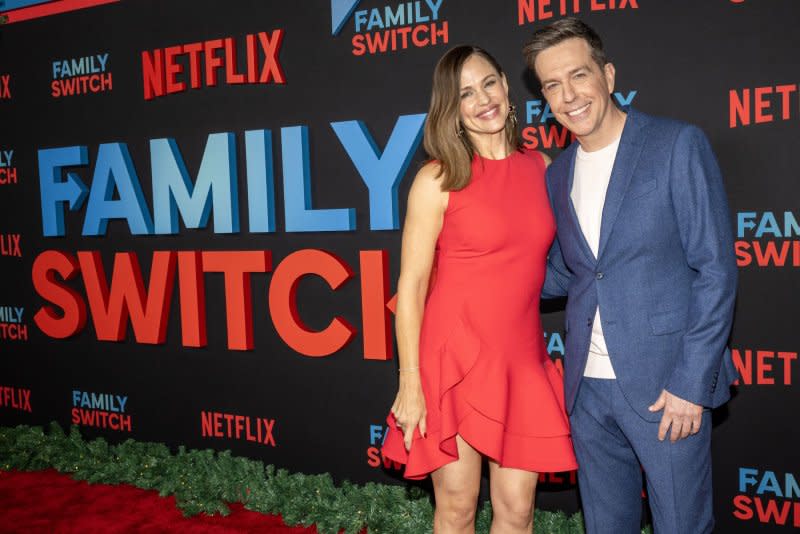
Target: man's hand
[(683, 416)]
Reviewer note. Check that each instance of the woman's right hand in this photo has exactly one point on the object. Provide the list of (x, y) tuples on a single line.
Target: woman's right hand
[(424, 218), (409, 407)]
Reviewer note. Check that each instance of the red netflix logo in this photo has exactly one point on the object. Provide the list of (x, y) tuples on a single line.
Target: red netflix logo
[(163, 69), (764, 367), (10, 245), (761, 104), (535, 10), (15, 398), (238, 427), (5, 87)]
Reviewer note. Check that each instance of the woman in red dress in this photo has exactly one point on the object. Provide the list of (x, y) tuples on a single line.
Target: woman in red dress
[(475, 378)]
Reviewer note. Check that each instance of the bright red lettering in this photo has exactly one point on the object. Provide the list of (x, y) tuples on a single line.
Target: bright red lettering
[(283, 302), (72, 319)]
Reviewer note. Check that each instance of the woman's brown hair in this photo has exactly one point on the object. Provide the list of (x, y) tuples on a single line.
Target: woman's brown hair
[(445, 140)]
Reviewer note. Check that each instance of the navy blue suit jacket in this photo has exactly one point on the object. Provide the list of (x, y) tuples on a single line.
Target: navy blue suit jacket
[(665, 275)]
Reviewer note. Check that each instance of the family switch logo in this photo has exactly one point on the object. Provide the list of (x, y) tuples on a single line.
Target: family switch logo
[(391, 27), (377, 435), (542, 130), (81, 75), (8, 172), (101, 410), (767, 496), (767, 239), (124, 295), (12, 328)]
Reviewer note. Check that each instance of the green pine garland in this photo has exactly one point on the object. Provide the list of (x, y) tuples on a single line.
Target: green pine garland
[(203, 481)]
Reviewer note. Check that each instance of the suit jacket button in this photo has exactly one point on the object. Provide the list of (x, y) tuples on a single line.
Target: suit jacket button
[(589, 323), (599, 276)]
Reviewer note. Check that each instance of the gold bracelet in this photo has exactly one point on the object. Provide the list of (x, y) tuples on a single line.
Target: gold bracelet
[(408, 369)]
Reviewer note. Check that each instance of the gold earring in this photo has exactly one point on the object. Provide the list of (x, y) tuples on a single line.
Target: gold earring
[(512, 114)]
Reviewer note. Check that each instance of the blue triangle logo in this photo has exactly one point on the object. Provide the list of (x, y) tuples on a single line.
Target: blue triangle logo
[(340, 12)]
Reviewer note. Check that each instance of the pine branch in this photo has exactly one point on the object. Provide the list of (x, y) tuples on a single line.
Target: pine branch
[(206, 481)]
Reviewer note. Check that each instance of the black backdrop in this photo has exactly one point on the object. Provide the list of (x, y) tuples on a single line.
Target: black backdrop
[(729, 66)]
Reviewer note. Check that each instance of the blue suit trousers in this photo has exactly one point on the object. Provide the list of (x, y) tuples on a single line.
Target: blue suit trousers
[(614, 444)]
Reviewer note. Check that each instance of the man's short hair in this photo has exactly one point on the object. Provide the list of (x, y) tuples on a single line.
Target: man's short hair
[(561, 30)]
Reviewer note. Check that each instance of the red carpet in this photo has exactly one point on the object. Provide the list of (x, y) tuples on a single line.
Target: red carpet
[(47, 501)]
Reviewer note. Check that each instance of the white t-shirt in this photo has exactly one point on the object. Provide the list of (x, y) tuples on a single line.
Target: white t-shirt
[(592, 174)]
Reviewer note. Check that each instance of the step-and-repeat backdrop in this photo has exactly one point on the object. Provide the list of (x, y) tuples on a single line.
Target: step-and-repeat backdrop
[(201, 203)]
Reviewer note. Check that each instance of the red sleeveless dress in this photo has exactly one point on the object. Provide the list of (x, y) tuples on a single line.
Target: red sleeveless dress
[(486, 375)]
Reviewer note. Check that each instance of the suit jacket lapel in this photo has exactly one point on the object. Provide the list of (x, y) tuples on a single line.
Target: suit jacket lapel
[(573, 215), (630, 147)]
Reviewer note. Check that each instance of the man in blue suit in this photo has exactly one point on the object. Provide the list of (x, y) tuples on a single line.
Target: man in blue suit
[(644, 254)]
